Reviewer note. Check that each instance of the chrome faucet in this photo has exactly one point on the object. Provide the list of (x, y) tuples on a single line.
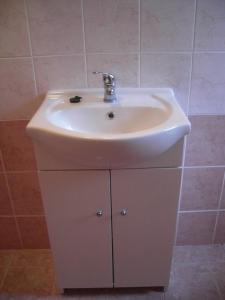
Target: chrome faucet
[(109, 86)]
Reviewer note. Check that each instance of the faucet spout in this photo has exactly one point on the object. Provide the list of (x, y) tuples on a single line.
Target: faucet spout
[(109, 86)]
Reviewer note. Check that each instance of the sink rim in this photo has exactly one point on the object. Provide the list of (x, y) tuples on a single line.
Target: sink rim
[(46, 126)]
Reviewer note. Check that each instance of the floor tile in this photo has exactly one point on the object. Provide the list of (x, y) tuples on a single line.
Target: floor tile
[(2, 274), (191, 282), (6, 257), (198, 254), (198, 273), (32, 258), (28, 280), (218, 273), (6, 296)]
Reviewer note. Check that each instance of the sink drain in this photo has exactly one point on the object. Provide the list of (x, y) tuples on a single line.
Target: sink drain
[(110, 115)]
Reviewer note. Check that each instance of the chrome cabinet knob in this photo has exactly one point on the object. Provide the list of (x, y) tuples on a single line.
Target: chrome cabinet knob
[(99, 213), (123, 212)]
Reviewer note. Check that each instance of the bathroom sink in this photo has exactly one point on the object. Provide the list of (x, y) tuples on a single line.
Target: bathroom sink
[(142, 124)]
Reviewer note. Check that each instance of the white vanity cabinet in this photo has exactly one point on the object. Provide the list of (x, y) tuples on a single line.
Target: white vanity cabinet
[(110, 179), (111, 228), (81, 240), (144, 206)]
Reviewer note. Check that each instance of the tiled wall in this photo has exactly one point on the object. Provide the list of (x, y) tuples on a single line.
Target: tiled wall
[(150, 43)]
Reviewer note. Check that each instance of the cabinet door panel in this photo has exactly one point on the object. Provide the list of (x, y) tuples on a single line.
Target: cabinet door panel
[(80, 240), (143, 238)]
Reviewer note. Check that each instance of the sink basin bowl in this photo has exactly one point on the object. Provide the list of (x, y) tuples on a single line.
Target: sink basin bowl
[(144, 123), (107, 122)]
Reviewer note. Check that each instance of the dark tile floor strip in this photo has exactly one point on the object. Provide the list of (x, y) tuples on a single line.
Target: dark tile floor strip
[(198, 273)]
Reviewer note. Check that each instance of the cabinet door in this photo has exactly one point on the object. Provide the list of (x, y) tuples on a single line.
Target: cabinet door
[(144, 206), (80, 239)]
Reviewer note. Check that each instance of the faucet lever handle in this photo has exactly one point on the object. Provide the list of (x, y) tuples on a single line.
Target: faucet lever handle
[(108, 78)]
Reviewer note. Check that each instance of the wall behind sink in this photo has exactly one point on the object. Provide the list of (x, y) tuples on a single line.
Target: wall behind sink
[(149, 43)]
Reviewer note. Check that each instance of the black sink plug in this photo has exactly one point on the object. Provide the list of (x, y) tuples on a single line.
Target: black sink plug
[(75, 99)]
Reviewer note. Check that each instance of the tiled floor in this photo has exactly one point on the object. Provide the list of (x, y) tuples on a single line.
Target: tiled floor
[(198, 273)]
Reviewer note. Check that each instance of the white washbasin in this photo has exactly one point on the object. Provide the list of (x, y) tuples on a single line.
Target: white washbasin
[(144, 123), (94, 122)]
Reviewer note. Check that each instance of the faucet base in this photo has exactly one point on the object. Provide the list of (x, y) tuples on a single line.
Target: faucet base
[(110, 100)]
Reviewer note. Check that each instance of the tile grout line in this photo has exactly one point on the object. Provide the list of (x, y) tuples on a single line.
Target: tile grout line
[(21, 172), (181, 188), (190, 87), (22, 216), (203, 166), (115, 53), (15, 120), (185, 167), (139, 43), (218, 212), (84, 43), (42, 55), (182, 52), (206, 114), (192, 59), (30, 46), (11, 202), (201, 211), (15, 57)]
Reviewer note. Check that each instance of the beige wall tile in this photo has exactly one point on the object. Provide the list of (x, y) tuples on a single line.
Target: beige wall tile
[(55, 26), (205, 144), (201, 188), (111, 25), (167, 70), (195, 228), (9, 238), (13, 29), (5, 205), (164, 27), (210, 24), (116, 64), (208, 77), (17, 148), (59, 72), (220, 229), (25, 191), (17, 90), (33, 232)]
